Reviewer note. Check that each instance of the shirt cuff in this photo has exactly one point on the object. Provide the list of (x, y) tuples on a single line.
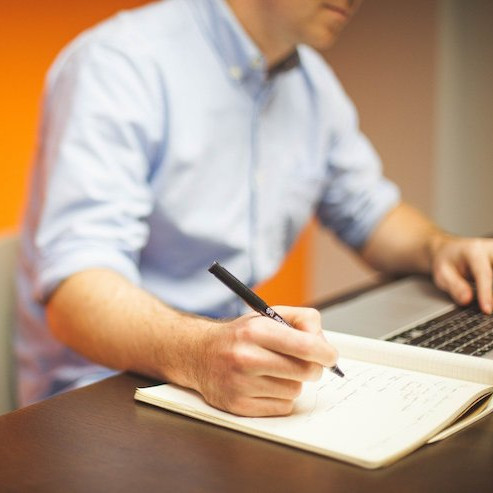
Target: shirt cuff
[(57, 268), (355, 226)]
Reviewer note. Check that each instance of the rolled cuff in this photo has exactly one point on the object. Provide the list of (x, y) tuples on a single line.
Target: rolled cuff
[(57, 268), (355, 228)]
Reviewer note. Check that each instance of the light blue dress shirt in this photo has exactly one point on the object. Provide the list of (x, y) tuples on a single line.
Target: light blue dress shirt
[(165, 145)]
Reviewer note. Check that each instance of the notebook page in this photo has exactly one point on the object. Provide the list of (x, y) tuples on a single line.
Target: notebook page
[(374, 415), (426, 360)]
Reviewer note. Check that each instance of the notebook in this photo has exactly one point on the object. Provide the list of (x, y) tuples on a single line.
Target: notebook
[(394, 398), (413, 311)]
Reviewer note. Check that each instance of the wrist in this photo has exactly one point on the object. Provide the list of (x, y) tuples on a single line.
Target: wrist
[(187, 364), (436, 241)]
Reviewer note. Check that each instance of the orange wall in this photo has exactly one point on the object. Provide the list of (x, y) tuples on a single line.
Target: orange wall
[(31, 34)]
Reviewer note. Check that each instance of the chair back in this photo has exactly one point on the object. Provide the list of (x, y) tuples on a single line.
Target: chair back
[(8, 256)]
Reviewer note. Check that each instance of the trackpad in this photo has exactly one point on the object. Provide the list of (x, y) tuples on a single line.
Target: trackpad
[(385, 310)]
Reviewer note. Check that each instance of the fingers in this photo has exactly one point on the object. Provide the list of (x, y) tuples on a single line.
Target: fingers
[(462, 257), (246, 386), (305, 347), (261, 396), (450, 280), (480, 266), (256, 407), (255, 366), (257, 396), (305, 319), (256, 361), (271, 387)]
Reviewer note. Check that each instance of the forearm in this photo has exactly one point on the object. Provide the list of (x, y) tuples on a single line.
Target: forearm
[(108, 320), (251, 365), (404, 241)]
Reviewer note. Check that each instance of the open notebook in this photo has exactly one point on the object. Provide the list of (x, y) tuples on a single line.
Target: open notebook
[(393, 400)]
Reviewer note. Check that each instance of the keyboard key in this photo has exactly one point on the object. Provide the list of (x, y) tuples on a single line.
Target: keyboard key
[(465, 331)]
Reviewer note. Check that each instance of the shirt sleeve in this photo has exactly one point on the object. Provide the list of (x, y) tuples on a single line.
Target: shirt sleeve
[(99, 139), (356, 195)]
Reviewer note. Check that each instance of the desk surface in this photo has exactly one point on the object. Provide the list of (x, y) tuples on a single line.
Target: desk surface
[(99, 439)]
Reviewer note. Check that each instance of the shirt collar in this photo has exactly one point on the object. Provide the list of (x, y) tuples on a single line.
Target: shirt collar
[(288, 63), (243, 59)]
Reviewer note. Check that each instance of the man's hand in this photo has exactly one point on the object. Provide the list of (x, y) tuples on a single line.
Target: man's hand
[(250, 366), (457, 261), (255, 366), (405, 241)]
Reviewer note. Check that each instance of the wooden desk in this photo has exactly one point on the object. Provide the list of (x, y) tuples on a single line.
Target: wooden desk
[(98, 439)]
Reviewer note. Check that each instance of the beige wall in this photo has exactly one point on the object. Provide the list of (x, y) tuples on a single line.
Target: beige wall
[(421, 75), (463, 202), (386, 60)]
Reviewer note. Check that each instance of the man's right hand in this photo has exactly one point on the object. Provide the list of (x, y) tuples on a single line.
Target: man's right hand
[(252, 366), (255, 366)]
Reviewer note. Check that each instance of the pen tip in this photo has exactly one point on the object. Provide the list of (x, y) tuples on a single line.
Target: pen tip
[(337, 371)]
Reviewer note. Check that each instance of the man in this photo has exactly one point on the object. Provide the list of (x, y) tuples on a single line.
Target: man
[(189, 131)]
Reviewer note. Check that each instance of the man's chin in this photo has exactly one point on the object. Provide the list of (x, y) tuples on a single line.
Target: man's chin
[(324, 42)]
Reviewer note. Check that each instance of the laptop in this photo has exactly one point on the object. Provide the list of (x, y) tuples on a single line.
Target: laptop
[(413, 311)]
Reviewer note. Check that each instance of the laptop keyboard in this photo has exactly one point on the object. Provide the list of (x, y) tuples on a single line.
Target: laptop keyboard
[(464, 330)]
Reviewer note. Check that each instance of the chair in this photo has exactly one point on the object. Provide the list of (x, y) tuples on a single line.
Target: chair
[(8, 250)]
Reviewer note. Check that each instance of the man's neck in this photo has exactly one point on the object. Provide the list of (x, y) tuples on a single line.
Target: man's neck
[(258, 25)]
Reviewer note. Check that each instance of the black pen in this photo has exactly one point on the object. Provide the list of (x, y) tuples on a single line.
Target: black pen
[(251, 299)]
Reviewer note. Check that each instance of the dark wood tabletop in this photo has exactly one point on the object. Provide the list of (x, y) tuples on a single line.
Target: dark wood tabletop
[(99, 439)]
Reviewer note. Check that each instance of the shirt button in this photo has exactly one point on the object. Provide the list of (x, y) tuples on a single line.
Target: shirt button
[(235, 72), (256, 62)]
